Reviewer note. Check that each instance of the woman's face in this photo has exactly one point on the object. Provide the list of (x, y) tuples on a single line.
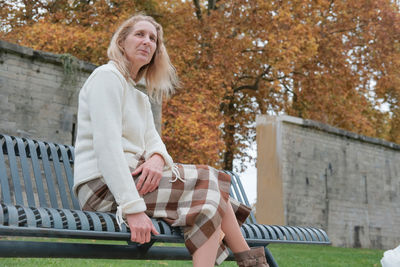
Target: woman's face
[(140, 44)]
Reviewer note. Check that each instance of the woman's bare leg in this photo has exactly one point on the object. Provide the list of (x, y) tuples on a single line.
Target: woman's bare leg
[(233, 237), (206, 254)]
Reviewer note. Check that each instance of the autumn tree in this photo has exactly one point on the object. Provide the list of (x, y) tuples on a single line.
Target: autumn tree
[(328, 60), (321, 60)]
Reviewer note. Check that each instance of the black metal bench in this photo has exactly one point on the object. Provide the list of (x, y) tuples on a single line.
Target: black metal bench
[(36, 200)]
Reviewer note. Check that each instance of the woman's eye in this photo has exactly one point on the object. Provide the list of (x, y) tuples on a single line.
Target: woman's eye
[(139, 34), (152, 38)]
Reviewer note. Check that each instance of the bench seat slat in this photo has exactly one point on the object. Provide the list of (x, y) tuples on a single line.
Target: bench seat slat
[(248, 231), (5, 188), (278, 231), (83, 220), (29, 217), (71, 149), (312, 234), (44, 217), (270, 233), (1, 214), (12, 213), (318, 234), (306, 234), (292, 234), (260, 231), (55, 218), (25, 172), (68, 172), (14, 171), (298, 233), (109, 222), (240, 194), (323, 233), (48, 175), (156, 225), (96, 224), (265, 231), (287, 235), (71, 222), (60, 183), (37, 173), (257, 231)]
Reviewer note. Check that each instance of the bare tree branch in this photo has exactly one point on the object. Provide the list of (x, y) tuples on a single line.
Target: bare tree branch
[(348, 30), (253, 50), (256, 82), (246, 77), (211, 6), (198, 9)]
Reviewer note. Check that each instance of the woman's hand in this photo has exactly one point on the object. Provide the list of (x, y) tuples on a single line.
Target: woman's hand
[(141, 227), (151, 174)]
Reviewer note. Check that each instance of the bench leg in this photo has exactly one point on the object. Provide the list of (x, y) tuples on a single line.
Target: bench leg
[(270, 259)]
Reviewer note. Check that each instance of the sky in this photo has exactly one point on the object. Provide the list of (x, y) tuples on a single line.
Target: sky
[(249, 181), (249, 176)]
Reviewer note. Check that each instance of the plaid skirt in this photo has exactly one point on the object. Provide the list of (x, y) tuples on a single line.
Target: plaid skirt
[(197, 204)]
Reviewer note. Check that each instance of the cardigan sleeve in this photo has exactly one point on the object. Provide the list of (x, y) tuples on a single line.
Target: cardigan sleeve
[(104, 96), (153, 141)]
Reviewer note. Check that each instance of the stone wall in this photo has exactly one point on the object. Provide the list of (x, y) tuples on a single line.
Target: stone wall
[(39, 93), (345, 183), (38, 99)]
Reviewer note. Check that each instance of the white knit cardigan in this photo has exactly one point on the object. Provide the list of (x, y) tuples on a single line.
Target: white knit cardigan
[(114, 123)]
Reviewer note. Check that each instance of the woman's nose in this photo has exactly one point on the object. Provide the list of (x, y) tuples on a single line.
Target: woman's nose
[(146, 39)]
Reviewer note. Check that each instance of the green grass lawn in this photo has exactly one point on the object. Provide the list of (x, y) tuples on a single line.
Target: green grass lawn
[(314, 255), (285, 255)]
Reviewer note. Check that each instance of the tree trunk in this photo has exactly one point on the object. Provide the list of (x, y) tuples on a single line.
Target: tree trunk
[(229, 139)]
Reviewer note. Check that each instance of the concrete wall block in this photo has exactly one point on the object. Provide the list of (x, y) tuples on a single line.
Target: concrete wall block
[(345, 183), (357, 174)]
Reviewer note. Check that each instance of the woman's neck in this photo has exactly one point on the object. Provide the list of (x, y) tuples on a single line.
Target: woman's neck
[(134, 72)]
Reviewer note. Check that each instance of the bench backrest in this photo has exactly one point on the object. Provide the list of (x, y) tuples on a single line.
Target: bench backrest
[(40, 174), (36, 173)]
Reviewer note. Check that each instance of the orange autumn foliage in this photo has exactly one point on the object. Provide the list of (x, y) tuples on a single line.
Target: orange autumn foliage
[(331, 61)]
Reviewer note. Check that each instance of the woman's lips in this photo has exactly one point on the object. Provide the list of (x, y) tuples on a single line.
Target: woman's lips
[(144, 51)]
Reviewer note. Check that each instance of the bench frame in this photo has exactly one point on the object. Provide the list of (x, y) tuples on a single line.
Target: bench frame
[(36, 200)]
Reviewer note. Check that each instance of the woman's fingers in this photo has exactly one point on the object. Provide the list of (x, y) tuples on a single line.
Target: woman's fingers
[(139, 237), (133, 235), (154, 230), (142, 179), (150, 183), (137, 170), (145, 182), (147, 236), (155, 183), (141, 227), (139, 234), (150, 174)]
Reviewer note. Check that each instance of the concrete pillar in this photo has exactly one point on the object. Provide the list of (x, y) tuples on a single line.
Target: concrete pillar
[(270, 202)]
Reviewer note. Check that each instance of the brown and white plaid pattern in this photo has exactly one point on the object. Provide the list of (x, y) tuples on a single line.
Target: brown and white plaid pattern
[(198, 204)]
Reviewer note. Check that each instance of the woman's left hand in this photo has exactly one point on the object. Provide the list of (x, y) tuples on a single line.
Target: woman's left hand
[(151, 174)]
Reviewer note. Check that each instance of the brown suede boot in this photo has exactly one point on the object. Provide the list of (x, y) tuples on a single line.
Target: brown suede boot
[(252, 257)]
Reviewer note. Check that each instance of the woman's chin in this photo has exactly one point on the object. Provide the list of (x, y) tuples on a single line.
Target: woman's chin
[(143, 60)]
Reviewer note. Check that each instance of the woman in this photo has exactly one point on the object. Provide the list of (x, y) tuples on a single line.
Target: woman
[(122, 165)]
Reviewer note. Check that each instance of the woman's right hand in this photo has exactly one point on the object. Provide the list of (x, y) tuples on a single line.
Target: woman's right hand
[(141, 227)]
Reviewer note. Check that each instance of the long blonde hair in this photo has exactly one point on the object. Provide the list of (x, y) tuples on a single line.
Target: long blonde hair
[(160, 74)]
